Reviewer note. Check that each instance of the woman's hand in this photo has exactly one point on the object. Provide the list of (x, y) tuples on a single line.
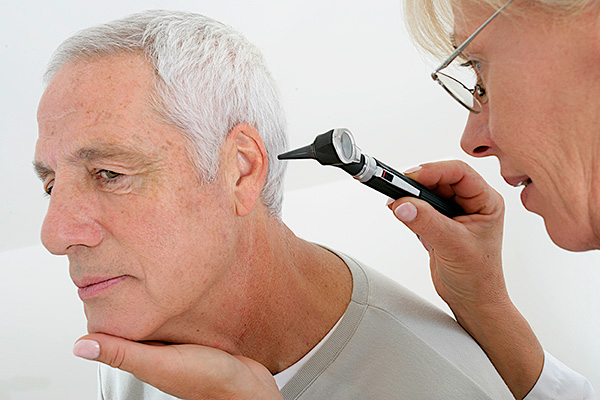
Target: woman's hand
[(465, 252), (190, 372), (465, 256)]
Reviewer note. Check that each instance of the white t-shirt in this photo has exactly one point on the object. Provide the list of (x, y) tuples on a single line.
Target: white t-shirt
[(559, 382), (284, 376)]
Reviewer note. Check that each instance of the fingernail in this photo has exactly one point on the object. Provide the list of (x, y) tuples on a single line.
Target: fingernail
[(425, 244), (406, 212), (389, 201), (413, 169), (88, 349)]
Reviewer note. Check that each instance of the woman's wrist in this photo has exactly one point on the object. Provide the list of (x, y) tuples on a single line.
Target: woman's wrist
[(509, 342), (479, 317)]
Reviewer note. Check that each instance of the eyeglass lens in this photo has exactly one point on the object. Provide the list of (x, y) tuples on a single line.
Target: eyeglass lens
[(461, 92)]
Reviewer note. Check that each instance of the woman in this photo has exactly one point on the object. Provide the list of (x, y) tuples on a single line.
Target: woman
[(534, 107)]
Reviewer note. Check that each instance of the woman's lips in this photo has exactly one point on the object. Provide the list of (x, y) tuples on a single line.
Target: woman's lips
[(521, 181), (95, 288), (525, 194), (517, 181)]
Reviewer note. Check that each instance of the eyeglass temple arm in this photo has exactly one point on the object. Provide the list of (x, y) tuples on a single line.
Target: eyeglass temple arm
[(460, 48)]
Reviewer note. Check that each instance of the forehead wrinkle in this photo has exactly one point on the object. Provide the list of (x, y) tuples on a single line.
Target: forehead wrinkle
[(44, 115), (113, 152)]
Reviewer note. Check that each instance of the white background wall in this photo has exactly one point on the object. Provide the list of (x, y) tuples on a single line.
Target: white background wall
[(338, 63)]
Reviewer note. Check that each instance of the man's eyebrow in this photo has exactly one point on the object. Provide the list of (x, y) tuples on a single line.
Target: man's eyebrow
[(128, 154), (103, 152), (41, 170)]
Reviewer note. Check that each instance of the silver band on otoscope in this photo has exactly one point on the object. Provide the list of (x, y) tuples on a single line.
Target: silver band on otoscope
[(368, 170)]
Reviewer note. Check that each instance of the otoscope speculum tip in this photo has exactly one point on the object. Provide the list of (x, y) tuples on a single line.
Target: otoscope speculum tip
[(305, 152)]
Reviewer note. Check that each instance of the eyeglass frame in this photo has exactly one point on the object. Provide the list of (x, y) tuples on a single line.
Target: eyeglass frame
[(455, 54)]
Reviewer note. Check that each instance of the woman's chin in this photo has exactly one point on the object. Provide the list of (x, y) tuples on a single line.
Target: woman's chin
[(571, 238)]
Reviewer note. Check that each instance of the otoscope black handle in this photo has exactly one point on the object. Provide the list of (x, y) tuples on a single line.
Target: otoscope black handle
[(336, 147), (383, 185)]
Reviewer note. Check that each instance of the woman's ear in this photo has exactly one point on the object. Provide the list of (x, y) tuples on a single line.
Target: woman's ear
[(247, 165)]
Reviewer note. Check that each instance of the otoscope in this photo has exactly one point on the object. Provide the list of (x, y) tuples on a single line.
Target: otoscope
[(337, 147)]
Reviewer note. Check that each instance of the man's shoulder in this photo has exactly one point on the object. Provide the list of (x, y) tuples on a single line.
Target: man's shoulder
[(387, 303), (404, 305), (376, 290), (397, 342)]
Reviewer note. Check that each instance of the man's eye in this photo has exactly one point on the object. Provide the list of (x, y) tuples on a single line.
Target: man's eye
[(48, 187), (111, 181), (108, 175)]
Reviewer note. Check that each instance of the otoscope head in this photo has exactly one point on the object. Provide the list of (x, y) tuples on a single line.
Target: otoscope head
[(335, 147)]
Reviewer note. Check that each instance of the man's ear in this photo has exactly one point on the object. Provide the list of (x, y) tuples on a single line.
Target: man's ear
[(247, 165)]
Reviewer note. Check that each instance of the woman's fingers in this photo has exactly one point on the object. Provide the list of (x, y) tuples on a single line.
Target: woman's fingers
[(465, 252), (457, 180)]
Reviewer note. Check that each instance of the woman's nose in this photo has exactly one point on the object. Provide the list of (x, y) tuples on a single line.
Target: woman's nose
[(476, 139)]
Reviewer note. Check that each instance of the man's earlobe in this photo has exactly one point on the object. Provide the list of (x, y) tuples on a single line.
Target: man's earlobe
[(251, 166)]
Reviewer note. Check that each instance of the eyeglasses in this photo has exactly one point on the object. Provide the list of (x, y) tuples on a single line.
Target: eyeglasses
[(470, 98)]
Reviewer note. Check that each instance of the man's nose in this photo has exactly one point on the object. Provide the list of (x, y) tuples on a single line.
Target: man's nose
[(476, 139), (71, 220)]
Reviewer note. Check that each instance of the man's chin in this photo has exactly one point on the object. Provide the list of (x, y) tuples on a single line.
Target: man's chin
[(125, 331)]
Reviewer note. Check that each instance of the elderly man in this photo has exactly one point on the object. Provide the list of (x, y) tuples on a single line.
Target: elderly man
[(157, 142)]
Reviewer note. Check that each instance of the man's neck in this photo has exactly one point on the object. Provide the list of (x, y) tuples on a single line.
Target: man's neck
[(281, 298)]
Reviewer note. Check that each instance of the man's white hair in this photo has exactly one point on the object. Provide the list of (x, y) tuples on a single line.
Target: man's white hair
[(209, 78)]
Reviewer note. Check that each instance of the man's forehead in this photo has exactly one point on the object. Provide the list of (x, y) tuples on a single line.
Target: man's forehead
[(103, 98), (79, 134), (119, 79), (45, 114)]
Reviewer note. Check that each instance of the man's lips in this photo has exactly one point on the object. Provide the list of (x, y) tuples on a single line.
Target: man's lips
[(89, 287)]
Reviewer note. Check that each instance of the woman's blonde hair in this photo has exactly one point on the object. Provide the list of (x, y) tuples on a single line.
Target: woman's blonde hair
[(430, 22)]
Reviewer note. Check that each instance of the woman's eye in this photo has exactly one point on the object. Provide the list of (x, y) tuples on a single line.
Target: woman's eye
[(476, 66), (473, 64)]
